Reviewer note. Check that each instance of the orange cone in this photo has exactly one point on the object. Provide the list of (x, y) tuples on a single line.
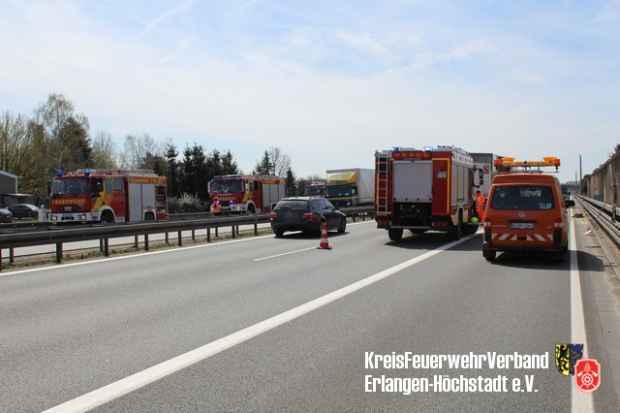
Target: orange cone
[(324, 245)]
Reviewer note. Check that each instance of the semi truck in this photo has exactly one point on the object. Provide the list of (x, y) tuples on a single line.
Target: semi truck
[(350, 187), (315, 188), (108, 196), (245, 194), (424, 189)]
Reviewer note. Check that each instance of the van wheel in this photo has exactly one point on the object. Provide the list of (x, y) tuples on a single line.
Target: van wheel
[(395, 234), (488, 254)]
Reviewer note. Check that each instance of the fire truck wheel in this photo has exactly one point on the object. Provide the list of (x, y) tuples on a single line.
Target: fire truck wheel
[(395, 234), (457, 230), (488, 254), (107, 218), (469, 229)]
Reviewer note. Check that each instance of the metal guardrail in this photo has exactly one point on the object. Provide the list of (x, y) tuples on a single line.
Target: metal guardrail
[(605, 215), (104, 233), (19, 226)]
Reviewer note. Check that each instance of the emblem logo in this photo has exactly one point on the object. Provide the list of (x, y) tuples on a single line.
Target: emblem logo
[(566, 356), (588, 375)]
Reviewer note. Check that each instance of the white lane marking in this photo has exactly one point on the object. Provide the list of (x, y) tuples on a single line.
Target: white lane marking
[(283, 254), (580, 402), (142, 254), (142, 378)]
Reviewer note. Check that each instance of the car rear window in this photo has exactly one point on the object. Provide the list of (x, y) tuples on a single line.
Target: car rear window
[(522, 198), (296, 205)]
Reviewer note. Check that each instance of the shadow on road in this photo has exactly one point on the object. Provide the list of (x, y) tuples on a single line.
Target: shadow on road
[(545, 261), (307, 236), (430, 240)]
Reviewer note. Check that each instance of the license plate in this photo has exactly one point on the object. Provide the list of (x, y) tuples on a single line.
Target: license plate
[(522, 225)]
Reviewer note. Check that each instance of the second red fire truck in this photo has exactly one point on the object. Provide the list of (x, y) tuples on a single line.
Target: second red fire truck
[(245, 194), (424, 189)]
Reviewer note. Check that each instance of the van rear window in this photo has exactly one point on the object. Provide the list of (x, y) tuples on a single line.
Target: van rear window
[(522, 198)]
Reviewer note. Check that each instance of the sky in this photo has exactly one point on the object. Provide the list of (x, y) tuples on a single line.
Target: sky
[(328, 81)]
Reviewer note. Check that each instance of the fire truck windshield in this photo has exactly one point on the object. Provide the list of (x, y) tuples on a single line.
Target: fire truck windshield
[(71, 186), (226, 186)]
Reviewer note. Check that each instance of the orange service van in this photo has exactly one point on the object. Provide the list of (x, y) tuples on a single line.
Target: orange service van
[(525, 210)]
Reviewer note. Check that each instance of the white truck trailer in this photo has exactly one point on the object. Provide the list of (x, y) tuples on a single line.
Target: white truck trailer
[(350, 187)]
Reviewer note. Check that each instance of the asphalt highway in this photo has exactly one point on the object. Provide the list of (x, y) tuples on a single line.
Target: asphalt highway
[(70, 330)]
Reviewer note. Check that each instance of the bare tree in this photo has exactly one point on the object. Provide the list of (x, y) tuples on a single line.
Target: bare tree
[(104, 153), (136, 148), (280, 161)]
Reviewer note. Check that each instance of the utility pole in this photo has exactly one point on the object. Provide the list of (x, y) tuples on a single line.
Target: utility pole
[(580, 170)]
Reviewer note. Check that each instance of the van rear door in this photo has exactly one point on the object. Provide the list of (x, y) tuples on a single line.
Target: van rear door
[(522, 212)]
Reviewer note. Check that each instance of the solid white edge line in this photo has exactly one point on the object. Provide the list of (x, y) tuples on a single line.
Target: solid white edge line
[(283, 254), (140, 379), (580, 402), (142, 254)]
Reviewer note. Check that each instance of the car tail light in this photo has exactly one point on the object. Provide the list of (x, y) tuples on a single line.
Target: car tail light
[(273, 216), (308, 216)]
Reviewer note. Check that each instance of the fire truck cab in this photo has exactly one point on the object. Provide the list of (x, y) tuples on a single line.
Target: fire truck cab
[(245, 194), (421, 190), (526, 210), (108, 196)]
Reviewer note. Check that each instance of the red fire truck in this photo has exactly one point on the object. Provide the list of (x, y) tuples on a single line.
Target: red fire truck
[(420, 190), (245, 194), (108, 196)]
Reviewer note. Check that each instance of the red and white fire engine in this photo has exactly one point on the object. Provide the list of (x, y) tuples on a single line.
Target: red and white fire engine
[(245, 194), (108, 196), (426, 189)]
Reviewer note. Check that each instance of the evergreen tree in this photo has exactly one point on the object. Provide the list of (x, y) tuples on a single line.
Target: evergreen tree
[(264, 166), (229, 166), (187, 177), (199, 177), (291, 187), (73, 146), (173, 173)]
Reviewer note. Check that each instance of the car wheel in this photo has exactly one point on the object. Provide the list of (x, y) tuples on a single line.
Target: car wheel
[(395, 234), (489, 254), (279, 233), (343, 226)]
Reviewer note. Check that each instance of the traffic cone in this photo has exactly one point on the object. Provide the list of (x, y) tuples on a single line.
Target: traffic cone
[(324, 245)]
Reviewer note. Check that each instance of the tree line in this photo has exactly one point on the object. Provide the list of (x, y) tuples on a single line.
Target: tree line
[(56, 139)]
